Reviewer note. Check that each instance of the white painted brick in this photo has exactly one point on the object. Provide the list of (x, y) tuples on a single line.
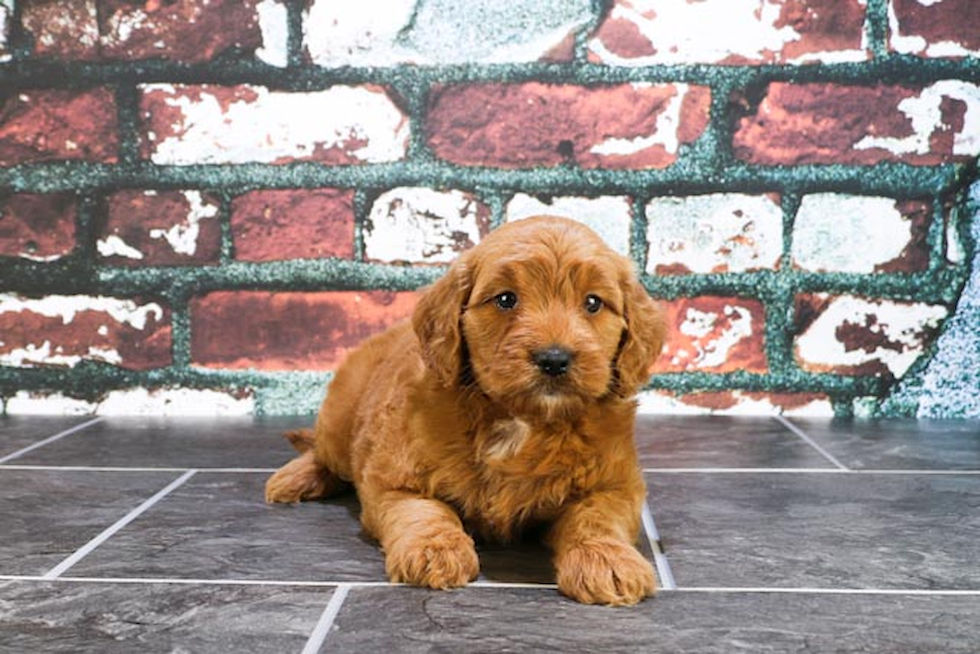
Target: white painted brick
[(65, 307), (178, 402), (708, 31), (894, 334), (738, 403), (6, 20), (438, 31), (273, 22), (422, 225), (270, 126), (915, 44), (610, 217), (59, 345), (924, 112), (175, 402), (725, 232), (955, 248), (49, 404), (848, 233), (182, 237)]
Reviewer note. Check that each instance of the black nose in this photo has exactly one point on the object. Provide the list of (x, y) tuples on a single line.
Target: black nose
[(553, 361)]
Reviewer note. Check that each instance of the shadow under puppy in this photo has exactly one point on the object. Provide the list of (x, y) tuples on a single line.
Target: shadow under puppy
[(506, 404)]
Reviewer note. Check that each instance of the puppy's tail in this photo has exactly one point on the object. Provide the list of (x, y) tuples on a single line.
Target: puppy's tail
[(301, 439)]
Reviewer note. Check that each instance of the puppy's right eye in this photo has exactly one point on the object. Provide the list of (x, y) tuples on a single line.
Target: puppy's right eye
[(506, 300)]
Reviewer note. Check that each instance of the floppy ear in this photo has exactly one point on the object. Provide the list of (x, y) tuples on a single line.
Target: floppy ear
[(643, 338), (436, 321)]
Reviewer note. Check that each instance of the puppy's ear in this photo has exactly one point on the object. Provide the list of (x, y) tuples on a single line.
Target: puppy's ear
[(436, 321), (643, 338)]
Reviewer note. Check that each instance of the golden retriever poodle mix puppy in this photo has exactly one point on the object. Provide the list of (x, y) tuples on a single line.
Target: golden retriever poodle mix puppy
[(506, 404)]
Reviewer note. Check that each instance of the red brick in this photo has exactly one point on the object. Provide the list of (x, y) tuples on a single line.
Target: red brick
[(293, 224), (289, 330), (187, 31), (63, 29), (826, 27), (37, 227), (534, 124), (714, 334), (950, 28), (833, 123), (54, 125), (161, 228), (64, 330)]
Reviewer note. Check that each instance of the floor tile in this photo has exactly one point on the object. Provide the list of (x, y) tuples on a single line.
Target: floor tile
[(722, 442), (174, 443), (47, 515), (898, 444), (834, 530), (525, 620), (527, 561), (218, 526), (804, 525), (18, 432), (104, 618)]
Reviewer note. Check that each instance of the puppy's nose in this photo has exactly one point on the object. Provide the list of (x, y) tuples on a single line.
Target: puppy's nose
[(553, 361)]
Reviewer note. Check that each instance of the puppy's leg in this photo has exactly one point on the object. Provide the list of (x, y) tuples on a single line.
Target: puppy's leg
[(595, 557), (303, 478), (423, 540)]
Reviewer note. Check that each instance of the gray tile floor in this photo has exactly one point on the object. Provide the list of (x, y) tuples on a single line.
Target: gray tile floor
[(770, 535)]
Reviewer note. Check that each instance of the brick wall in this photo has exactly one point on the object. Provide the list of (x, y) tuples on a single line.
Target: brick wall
[(203, 205)]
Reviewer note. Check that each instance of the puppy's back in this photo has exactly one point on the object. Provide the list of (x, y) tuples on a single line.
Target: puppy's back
[(371, 371)]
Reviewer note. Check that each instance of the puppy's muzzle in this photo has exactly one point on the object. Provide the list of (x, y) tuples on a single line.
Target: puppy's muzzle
[(553, 361)]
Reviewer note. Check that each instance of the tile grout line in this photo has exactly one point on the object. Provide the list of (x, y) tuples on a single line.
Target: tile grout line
[(54, 468), (325, 623), (50, 439), (495, 585), (812, 443), (87, 549), (745, 471), (263, 582), (775, 590), (659, 558), (810, 471), (704, 470)]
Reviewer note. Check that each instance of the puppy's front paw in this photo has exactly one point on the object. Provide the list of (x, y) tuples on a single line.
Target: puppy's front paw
[(605, 572), (444, 560)]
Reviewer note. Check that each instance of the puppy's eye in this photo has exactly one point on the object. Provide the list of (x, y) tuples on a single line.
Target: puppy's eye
[(506, 300), (593, 303)]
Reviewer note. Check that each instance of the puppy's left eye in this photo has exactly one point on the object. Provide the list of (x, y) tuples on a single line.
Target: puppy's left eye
[(506, 300), (593, 303)]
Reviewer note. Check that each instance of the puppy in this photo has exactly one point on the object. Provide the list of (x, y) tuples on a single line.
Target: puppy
[(506, 404)]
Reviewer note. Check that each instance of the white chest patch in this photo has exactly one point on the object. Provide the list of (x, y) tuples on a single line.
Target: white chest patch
[(504, 439)]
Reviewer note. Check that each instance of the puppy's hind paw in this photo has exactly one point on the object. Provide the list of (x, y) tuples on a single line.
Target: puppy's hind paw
[(605, 572), (443, 561), (301, 479)]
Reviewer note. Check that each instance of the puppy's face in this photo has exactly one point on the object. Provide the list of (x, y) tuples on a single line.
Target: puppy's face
[(544, 322), (550, 317)]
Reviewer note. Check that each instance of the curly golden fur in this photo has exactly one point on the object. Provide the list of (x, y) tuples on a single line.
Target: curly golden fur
[(506, 403)]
